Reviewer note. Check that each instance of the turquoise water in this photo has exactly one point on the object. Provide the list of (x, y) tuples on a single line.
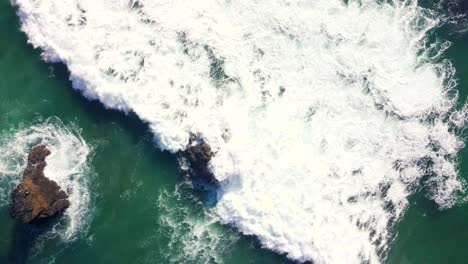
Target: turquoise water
[(143, 211)]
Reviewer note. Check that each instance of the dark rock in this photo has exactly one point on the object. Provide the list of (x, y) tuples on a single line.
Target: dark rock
[(37, 198), (198, 155)]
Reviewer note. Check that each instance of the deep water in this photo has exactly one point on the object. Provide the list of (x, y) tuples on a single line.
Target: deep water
[(143, 208)]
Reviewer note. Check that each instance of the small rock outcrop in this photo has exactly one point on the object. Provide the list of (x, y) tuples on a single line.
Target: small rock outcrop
[(37, 198), (198, 155)]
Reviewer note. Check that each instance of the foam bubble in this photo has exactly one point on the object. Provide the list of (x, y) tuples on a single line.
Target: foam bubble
[(324, 116), (67, 165)]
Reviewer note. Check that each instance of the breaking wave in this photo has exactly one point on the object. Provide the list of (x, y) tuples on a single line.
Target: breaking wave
[(325, 115)]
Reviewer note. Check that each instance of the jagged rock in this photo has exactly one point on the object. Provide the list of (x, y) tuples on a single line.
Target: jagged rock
[(198, 154), (36, 197)]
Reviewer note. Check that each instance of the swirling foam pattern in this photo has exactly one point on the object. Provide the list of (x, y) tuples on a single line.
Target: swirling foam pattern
[(67, 165), (324, 115)]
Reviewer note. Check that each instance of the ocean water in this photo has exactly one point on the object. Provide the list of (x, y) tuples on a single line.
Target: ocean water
[(338, 129)]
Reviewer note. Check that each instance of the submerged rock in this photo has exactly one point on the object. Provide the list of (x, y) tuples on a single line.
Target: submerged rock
[(36, 197), (198, 155)]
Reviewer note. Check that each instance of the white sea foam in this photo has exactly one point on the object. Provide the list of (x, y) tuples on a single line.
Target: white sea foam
[(67, 165), (193, 232), (324, 116)]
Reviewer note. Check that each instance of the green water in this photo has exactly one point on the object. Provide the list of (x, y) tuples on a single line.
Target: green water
[(131, 177)]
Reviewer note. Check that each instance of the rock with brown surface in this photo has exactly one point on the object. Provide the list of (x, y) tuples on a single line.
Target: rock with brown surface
[(199, 154), (37, 198)]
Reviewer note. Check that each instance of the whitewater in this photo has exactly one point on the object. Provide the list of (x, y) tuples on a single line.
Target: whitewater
[(325, 116), (67, 165)]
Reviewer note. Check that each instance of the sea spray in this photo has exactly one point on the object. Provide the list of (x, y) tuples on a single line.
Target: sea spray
[(67, 165), (325, 116)]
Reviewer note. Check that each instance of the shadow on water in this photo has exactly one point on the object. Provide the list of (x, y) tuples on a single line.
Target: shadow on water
[(26, 236)]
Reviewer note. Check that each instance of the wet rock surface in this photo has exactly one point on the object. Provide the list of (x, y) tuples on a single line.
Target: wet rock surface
[(37, 198), (198, 155)]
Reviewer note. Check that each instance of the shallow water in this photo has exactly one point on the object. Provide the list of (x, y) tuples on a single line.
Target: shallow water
[(140, 206)]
